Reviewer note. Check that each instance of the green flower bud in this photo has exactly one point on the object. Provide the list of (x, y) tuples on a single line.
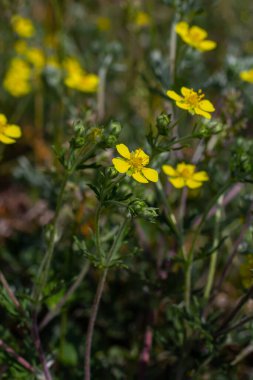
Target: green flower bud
[(79, 142), (111, 172), (110, 141), (115, 128), (162, 123)]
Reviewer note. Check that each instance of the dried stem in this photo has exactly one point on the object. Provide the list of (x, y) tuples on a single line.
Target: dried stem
[(53, 313), (17, 357), (8, 290)]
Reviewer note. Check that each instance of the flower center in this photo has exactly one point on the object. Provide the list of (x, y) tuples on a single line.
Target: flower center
[(194, 98), (136, 162), (186, 173)]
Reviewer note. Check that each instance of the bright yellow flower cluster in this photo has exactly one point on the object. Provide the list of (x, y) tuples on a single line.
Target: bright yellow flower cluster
[(246, 272), (8, 132), (247, 75), (22, 26), (195, 36), (77, 79), (134, 164), (17, 78), (192, 101), (185, 175)]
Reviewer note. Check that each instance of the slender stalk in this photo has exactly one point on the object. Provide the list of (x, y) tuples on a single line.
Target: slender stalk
[(46, 262), (214, 257), (9, 291), (53, 313), (17, 357), (39, 348), (102, 87), (172, 53), (97, 230), (90, 330), (191, 252), (94, 310), (235, 311)]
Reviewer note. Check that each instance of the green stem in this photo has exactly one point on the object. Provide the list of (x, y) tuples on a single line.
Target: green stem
[(191, 253), (97, 231), (94, 310), (214, 257)]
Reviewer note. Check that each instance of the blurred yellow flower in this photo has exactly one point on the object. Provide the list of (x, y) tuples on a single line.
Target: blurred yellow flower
[(8, 132), (103, 23), (246, 271), (36, 57), (247, 75), (185, 175), (22, 26), (195, 36), (133, 164), (77, 79), (192, 102), (17, 78), (142, 19)]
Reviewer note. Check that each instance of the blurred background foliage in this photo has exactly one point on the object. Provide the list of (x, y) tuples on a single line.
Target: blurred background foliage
[(126, 44)]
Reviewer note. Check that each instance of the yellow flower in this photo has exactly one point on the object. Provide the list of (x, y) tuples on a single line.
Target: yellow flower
[(185, 175), (77, 78), (142, 19), (17, 78), (194, 36), (133, 164), (23, 26), (8, 132), (36, 57), (247, 75), (246, 271), (103, 24), (192, 102)]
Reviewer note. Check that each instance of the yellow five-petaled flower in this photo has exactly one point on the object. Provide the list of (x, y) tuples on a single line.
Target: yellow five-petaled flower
[(247, 75), (194, 36), (192, 101), (185, 175), (134, 164), (8, 132)]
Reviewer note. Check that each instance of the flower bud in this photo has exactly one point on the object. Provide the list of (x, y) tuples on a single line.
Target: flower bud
[(111, 172), (162, 122), (115, 128)]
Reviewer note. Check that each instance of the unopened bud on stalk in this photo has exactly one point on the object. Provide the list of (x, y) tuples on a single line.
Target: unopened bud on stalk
[(162, 123), (115, 128)]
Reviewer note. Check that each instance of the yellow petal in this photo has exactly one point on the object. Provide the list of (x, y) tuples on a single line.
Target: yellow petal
[(200, 112), (3, 119), (205, 105), (13, 131), (139, 178), (173, 95), (207, 45), (183, 105), (247, 75), (121, 165), (182, 28), (169, 170), (200, 176), (186, 91), (177, 182), (123, 150), (141, 154), (183, 167), (193, 184), (6, 140), (197, 33), (150, 174)]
